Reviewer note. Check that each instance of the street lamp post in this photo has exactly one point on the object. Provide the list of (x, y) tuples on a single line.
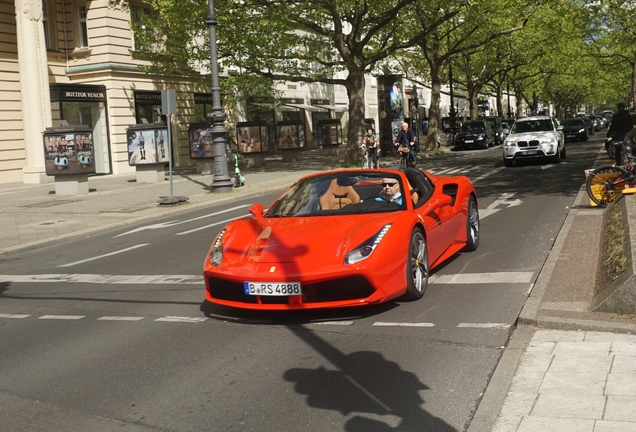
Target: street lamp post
[(508, 91), (221, 181), (450, 79)]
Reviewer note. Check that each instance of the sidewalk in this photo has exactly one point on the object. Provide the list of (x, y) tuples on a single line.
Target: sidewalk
[(565, 368)]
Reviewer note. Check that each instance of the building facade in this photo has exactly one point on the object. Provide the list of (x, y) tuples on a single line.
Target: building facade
[(70, 62)]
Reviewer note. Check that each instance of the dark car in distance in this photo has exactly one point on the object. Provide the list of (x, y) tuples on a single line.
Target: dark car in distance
[(496, 124), (575, 129), (474, 134)]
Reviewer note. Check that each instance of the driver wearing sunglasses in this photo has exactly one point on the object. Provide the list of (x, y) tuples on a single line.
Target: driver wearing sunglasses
[(390, 191)]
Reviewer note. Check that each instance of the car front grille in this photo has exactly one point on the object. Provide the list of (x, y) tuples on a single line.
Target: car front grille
[(529, 144), (349, 288)]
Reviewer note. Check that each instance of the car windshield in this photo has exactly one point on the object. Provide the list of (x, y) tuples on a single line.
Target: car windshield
[(341, 193), (492, 122), (539, 125), (473, 127), (572, 122)]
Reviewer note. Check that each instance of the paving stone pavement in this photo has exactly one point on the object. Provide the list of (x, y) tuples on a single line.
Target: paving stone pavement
[(564, 369)]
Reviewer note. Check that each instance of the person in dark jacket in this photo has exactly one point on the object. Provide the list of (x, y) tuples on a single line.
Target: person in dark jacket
[(406, 138), (620, 125)]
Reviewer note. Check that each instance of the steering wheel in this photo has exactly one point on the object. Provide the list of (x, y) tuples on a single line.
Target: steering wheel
[(373, 197)]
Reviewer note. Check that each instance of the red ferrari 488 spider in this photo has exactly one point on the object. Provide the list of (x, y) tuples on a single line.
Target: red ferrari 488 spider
[(343, 238)]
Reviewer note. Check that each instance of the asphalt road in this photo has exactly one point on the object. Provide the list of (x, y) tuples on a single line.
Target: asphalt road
[(111, 332)]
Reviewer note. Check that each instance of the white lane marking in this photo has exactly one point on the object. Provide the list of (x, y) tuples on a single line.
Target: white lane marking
[(106, 279), (181, 319), (336, 323), (14, 316), (484, 213), (442, 171), (119, 318), (208, 226), (105, 255), (489, 173), (502, 200), (483, 325), (483, 278), (399, 324), (546, 166), (455, 171), (61, 317), (173, 223), (150, 227)]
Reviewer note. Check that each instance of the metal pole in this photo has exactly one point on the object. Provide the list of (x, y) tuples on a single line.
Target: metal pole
[(508, 91), (221, 181), (450, 79), (169, 118)]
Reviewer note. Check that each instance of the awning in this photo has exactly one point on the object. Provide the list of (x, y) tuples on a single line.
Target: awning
[(272, 106), (336, 108), (313, 108)]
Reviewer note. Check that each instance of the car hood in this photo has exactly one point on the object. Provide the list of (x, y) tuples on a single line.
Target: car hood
[(469, 134), (528, 136), (570, 128), (317, 239)]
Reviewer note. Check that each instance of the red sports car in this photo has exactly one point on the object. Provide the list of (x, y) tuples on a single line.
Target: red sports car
[(343, 238)]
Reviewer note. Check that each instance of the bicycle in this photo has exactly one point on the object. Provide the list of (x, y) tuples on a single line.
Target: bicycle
[(606, 183), (367, 156), (404, 162)]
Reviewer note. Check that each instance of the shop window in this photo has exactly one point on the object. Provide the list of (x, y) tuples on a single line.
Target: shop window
[(82, 27)]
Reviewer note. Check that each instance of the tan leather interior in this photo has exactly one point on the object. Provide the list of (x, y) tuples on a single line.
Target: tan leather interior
[(337, 197)]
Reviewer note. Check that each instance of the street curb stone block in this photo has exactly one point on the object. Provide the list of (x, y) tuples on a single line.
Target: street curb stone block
[(620, 295)]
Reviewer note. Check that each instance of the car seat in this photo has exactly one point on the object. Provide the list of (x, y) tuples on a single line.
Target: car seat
[(338, 196)]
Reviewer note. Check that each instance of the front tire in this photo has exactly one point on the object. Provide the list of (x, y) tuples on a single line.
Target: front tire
[(416, 266), (597, 188), (472, 226)]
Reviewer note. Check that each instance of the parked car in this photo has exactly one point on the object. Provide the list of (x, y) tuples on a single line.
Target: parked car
[(339, 239), (474, 134), (496, 125), (601, 118), (596, 122), (532, 138), (575, 129), (588, 123)]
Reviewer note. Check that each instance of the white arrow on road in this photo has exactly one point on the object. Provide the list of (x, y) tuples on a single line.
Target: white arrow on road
[(503, 200)]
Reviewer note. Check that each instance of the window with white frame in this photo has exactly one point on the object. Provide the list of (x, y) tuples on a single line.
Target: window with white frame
[(82, 27), (137, 14)]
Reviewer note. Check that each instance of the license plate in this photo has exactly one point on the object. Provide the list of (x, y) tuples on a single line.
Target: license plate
[(469, 141), (570, 136), (529, 153), (272, 288)]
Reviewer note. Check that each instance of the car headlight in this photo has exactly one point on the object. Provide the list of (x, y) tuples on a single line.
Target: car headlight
[(480, 137), (581, 130), (364, 250), (510, 143), (216, 253), (549, 140)]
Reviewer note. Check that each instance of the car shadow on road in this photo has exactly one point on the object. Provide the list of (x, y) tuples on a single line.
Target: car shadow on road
[(377, 394)]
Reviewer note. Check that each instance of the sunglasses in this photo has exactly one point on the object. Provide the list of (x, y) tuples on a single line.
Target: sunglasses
[(388, 184)]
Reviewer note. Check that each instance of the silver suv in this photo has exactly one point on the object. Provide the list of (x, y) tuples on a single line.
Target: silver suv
[(533, 138)]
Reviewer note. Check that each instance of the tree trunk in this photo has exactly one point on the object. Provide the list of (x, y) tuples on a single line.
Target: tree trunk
[(433, 111), (500, 111), (354, 84), (633, 101), (472, 99)]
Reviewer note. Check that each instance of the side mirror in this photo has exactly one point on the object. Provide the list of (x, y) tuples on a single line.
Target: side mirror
[(440, 201), (256, 210)]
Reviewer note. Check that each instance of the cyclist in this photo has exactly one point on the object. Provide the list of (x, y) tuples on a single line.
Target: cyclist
[(406, 142), (370, 144), (620, 125)]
